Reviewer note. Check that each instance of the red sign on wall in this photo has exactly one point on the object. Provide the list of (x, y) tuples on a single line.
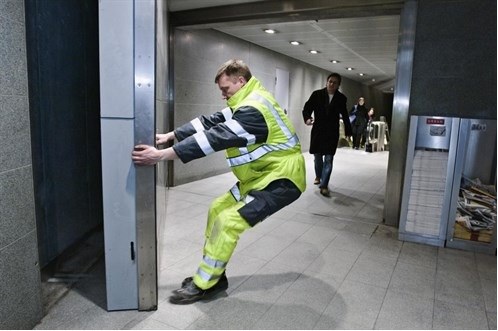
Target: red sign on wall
[(439, 121)]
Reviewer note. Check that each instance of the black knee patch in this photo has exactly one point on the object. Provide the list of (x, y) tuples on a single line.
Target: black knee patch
[(271, 199)]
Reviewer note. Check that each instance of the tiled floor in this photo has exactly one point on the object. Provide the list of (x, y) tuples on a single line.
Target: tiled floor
[(318, 264)]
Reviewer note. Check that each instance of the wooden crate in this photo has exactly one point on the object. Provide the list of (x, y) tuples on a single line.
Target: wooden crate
[(462, 232)]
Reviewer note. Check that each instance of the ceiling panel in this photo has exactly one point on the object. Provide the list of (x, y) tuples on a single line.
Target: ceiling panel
[(177, 5), (367, 44)]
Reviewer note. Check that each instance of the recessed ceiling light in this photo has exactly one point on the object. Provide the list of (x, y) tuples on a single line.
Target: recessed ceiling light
[(312, 51), (295, 42), (335, 61), (373, 79), (361, 74), (349, 68), (270, 31)]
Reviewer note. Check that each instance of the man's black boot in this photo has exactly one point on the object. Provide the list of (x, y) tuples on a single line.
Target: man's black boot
[(191, 293), (223, 278)]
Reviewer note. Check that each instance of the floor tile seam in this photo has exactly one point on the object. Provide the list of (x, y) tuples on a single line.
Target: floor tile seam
[(300, 274), (367, 236), (178, 215), (276, 300), (357, 219), (466, 305), (271, 232), (291, 243), (191, 241), (402, 262), (481, 282), (435, 290), (487, 318), (367, 254), (60, 324), (252, 274), (458, 273), (137, 320), (489, 275), (404, 258), (328, 304), (356, 259), (190, 192), (348, 250), (323, 249), (204, 314), (387, 289), (152, 318), (459, 304), (411, 294), (172, 266), (274, 236), (358, 193)]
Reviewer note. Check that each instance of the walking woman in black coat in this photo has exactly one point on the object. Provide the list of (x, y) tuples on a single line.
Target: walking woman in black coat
[(323, 111)]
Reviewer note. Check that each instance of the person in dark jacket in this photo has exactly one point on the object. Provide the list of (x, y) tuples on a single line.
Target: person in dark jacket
[(366, 133), (323, 111), (359, 125)]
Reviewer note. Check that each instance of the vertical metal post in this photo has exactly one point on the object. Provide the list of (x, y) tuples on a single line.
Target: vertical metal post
[(401, 103), (163, 84), (144, 85)]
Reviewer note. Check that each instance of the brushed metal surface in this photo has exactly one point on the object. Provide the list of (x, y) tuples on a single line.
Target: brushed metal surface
[(144, 85), (164, 84), (399, 126), (117, 140)]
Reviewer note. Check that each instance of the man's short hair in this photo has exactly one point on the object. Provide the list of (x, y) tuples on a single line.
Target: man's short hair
[(336, 75), (233, 68)]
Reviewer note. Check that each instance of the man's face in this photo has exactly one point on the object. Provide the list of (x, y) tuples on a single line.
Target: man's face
[(230, 85), (332, 85)]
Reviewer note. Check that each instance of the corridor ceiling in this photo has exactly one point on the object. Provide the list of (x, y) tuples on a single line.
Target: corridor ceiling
[(359, 34)]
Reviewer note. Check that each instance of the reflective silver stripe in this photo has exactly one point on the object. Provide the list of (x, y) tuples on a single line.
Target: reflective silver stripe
[(243, 150), (262, 151), (205, 276), (248, 199), (214, 263), (202, 141), (196, 123), (235, 192), (274, 112), (227, 112), (239, 131)]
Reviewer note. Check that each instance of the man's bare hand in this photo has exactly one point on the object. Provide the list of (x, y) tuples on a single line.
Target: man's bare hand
[(146, 155), (163, 138)]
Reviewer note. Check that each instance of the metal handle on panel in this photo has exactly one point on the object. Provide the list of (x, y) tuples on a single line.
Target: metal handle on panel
[(132, 250)]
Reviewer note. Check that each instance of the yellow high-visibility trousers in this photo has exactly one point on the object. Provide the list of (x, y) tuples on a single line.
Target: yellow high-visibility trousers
[(223, 229), (226, 223)]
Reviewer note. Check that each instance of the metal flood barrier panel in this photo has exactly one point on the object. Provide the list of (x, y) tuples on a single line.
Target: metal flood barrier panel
[(127, 84)]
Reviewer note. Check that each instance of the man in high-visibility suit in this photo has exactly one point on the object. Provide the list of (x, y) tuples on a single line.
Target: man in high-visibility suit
[(263, 152)]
